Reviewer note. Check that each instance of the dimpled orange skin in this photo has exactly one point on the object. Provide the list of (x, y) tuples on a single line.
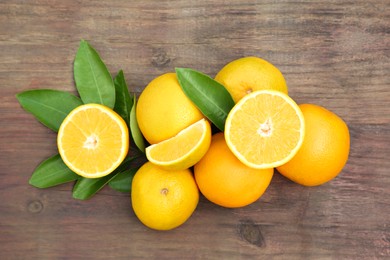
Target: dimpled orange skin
[(324, 151), (227, 182)]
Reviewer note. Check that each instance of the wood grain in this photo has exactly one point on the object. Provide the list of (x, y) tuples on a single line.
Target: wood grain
[(332, 53)]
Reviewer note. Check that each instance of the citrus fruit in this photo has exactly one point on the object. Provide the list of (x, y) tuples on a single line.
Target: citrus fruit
[(183, 150), (264, 129), (93, 140), (163, 110), (245, 75), (324, 151), (226, 181), (163, 199)]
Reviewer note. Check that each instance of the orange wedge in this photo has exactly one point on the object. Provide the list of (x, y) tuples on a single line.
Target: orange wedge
[(93, 140), (265, 129), (183, 150)]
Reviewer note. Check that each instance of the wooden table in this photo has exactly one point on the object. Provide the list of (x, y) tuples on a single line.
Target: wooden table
[(332, 53)]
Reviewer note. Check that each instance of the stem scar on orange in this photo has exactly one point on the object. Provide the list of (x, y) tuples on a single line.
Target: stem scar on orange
[(248, 74)]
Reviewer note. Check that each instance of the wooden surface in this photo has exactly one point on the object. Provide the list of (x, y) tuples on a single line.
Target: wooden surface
[(332, 53)]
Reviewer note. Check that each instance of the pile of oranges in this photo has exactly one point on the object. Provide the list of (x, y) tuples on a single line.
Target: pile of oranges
[(265, 130), (233, 167)]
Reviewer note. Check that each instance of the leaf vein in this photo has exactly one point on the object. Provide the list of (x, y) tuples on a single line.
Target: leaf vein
[(93, 74), (46, 106)]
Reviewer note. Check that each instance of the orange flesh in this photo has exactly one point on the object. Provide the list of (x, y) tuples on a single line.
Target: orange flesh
[(269, 132), (92, 141)]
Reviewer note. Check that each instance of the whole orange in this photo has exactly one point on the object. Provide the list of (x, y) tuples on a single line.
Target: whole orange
[(226, 181), (324, 151), (162, 199), (163, 109)]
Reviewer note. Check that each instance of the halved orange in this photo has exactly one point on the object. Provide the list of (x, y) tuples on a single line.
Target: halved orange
[(183, 150), (93, 140), (265, 129)]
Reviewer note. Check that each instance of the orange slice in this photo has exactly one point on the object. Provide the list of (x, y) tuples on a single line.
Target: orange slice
[(93, 140), (183, 150), (265, 129)]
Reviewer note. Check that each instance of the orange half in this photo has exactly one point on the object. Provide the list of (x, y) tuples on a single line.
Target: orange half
[(265, 129), (93, 140)]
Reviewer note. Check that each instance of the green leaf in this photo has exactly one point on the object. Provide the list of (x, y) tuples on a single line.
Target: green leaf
[(123, 101), (93, 80), (85, 188), (212, 99), (52, 172), (134, 129), (50, 107), (122, 181)]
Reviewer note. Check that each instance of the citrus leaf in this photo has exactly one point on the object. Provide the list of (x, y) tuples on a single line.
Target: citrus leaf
[(123, 101), (93, 80), (50, 107), (85, 188), (122, 181), (212, 98), (52, 172), (134, 129)]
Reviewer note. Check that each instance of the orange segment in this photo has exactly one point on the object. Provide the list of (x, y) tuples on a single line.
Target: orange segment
[(93, 140), (265, 129), (183, 150)]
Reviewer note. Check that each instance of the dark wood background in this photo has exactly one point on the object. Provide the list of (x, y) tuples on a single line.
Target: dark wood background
[(332, 53)]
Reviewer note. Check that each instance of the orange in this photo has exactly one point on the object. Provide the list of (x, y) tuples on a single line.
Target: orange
[(93, 140), (245, 75), (324, 151), (163, 110), (227, 182), (183, 150), (161, 199), (265, 129)]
